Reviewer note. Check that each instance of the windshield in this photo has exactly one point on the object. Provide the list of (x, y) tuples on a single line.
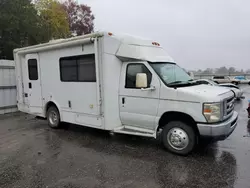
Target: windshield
[(171, 73)]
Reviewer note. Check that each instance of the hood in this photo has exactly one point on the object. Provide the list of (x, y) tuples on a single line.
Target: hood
[(205, 93)]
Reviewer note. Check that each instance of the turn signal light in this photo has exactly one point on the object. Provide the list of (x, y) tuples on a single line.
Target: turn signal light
[(206, 110)]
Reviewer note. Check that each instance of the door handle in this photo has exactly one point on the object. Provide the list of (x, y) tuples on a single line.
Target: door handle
[(30, 85), (123, 100), (152, 88)]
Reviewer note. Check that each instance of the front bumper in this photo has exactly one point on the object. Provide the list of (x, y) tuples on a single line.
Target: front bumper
[(221, 130)]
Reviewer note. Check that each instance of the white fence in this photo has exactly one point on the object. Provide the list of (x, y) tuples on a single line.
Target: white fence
[(7, 87)]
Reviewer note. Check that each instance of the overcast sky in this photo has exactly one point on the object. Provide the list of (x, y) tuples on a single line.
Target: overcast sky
[(196, 33)]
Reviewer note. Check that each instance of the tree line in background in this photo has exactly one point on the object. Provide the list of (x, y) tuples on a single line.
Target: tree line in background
[(221, 71), (26, 22)]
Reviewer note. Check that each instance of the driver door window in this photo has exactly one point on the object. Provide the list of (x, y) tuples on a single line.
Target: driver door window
[(132, 71)]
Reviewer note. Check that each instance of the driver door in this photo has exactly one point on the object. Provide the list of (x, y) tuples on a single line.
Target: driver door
[(138, 107)]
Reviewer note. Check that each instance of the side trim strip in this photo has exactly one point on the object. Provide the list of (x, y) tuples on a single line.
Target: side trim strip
[(180, 101), (158, 98)]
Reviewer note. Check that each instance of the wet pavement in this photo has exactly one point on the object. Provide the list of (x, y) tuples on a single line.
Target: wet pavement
[(33, 156)]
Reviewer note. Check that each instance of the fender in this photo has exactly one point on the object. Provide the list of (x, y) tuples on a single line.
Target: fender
[(52, 101)]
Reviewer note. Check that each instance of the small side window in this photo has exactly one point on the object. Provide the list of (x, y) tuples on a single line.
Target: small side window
[(78, 68), (132, 71), (68, 69), (86, 68), (32, 68)]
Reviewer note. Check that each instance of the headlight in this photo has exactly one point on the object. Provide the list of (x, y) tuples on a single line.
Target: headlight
[(212, 112)]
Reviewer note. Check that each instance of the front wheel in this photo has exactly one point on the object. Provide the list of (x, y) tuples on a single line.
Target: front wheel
[(179, 138)]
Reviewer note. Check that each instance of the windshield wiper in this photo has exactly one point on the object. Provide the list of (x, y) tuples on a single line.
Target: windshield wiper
[(179, 83), (176, 82)]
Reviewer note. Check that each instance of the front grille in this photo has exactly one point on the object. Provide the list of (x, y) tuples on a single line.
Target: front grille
[(230, 100), (230, 111), (229, 107)]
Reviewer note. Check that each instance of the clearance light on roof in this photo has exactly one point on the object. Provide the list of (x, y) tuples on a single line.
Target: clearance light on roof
[(155, 43)]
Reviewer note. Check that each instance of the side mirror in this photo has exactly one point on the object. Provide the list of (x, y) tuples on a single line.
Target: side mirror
[(141, 80)]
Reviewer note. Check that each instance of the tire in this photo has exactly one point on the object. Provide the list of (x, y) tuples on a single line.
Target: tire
[(184, 133), (249, 83), (53, 117), (235, 83)]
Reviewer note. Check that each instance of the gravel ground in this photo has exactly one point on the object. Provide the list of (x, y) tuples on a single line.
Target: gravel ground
[(33, 155)]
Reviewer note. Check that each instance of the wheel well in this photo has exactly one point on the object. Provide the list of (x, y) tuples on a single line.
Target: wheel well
[(48, 105), (177, 116)]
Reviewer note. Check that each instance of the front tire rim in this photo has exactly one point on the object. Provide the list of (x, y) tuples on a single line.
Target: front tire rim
[(177, 138), (53, 118)]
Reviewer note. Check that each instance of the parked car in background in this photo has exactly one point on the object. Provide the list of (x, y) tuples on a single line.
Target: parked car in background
[(235, 89), (242, 79), (225, 79)]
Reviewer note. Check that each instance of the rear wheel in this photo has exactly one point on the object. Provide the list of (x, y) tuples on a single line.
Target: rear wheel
[(179, 138), (53, 117), (249, 83)]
